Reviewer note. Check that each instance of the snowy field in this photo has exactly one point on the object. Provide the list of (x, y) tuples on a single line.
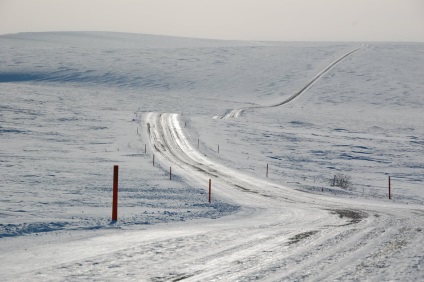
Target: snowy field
[(75, 104)]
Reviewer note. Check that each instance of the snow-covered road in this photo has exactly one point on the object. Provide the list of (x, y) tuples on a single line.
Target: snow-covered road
[(235, 113), (288, 234), (279, 233)]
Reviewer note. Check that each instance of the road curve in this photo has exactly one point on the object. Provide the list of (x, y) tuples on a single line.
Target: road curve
[(280, 233), (235, 113)]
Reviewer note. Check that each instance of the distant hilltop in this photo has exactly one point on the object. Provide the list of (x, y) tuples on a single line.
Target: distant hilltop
[(124, 40)]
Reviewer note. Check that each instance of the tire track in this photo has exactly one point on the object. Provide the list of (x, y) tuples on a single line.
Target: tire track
[(279, 234), (298, 234)]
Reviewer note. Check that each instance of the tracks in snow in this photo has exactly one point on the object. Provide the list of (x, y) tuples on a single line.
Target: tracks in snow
[(278, 234), (235, 113)]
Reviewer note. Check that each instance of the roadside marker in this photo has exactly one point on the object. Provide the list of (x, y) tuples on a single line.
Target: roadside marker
[(210, 190), (267, 170), (115, 194)]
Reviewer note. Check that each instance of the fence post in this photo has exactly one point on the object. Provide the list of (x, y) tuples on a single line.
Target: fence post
[(390, 192), (115, 194), (210, 189)]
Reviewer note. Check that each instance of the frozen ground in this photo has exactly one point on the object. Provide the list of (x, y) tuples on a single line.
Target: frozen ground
[(75, 104)]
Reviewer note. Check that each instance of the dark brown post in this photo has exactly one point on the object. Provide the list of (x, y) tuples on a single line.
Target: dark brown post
[(267, 170), (115, 194), (210, 190)]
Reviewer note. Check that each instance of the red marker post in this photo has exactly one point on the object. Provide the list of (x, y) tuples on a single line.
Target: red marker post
[(115, 194)]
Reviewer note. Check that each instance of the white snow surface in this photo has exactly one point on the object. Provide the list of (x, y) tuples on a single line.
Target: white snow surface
[(73, 104)]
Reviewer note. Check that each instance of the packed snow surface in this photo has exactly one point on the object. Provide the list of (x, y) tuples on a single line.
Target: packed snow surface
[(74, 104)]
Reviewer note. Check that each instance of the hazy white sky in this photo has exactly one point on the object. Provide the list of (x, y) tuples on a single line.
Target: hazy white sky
[(304, 20)]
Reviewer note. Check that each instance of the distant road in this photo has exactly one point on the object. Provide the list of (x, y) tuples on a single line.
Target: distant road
[(235, 113)]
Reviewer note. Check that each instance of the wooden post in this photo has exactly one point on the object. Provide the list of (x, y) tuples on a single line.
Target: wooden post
[(267, 170), (115, 194), (210, 190), (170, 173), (390, 192)]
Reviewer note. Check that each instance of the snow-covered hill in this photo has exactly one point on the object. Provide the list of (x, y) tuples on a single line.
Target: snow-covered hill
[(73, 104)]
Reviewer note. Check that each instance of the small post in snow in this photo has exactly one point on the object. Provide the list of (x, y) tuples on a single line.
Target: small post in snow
[(390, 189), (218, 149), (266, 170), (145, 148), (153, 159), (210, 190), (115, 194), (170, 173)]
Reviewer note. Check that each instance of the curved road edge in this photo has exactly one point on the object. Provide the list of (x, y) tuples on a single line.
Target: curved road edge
[(235, 113)]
